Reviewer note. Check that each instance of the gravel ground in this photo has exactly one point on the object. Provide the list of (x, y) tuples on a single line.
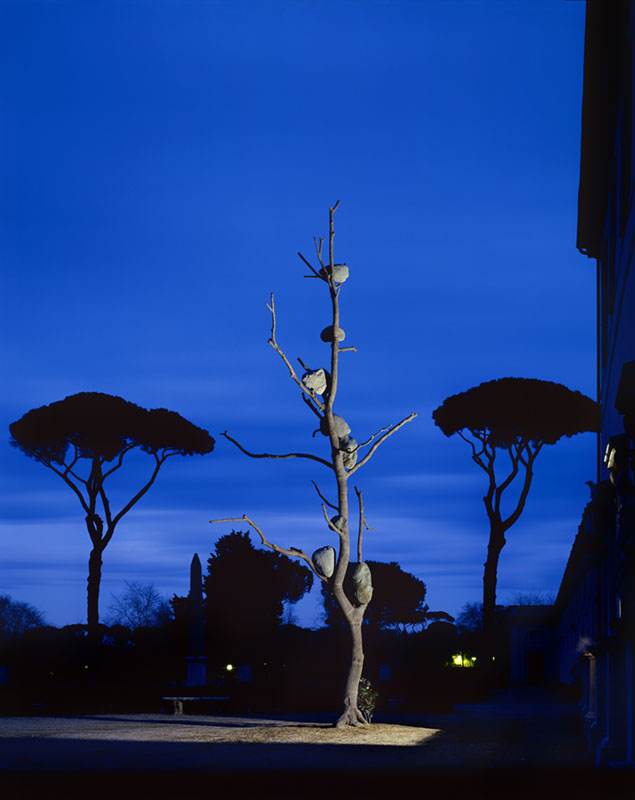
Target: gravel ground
[(512, 747)]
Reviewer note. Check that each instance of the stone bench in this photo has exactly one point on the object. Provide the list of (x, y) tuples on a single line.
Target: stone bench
[(178, 701)]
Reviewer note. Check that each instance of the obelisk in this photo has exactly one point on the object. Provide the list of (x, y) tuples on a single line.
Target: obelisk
[(196, 659)]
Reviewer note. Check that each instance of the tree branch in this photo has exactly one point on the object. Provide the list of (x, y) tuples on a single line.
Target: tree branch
[(119, 460), (383, 438), (272, 455), (368, 441), (321, 496), (511, 519), (316, 274), (330, 524), (476, 457), (106, 505), (306, 400), (291, 551), (501, 488), (67, 480), (318, 249), (362, 522), (280, 352), (332, 234), (159, 462)]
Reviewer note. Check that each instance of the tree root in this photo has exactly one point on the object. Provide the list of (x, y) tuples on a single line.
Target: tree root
[(351, 716)]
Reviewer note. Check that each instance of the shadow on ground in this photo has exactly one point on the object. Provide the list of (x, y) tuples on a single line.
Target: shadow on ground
[(517, 745)]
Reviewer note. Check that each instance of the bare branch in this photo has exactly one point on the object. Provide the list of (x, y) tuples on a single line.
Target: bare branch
[(272, 455), (330, 524), (316, 274), (500, 489), (69, 467), (120, 459), (280, 352), (159, 462), (306, 400), (67, 480), (470, 442), (476, 457), (383, 438), (318, 248), (331, 237), (362, 521), (290, 551), (321, 496), (368, 441), (106, 505)]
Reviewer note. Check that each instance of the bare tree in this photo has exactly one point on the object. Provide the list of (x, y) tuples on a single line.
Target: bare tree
[(84, 439), (515, 416), (349, 582), (16, 618), (139, 606)]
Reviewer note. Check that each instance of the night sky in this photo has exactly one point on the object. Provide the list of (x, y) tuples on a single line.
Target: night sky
[(161, 165)]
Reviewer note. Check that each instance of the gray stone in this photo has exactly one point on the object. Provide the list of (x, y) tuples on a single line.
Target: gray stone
[(349, 459), (315, 380), (342, 428), (348, 444), (339, 522), (340, 272), (324, 560), (362, 583), (327, 334)]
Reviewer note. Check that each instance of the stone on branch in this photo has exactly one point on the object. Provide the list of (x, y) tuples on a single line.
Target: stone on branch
[(339, 522), (328, 336), (348, 444), (340, 272), (342, 428), (349, 459), (324, 560), (362, 583), (316, 380)]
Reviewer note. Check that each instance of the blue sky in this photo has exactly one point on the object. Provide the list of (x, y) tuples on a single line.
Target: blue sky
[(161, 165)]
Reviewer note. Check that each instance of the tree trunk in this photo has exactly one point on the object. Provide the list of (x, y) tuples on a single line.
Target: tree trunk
[(351, 714), (94, 581), (496, 544)]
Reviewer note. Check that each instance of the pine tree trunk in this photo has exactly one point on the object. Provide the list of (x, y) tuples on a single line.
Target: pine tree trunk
[(94, 581), (496, 544)]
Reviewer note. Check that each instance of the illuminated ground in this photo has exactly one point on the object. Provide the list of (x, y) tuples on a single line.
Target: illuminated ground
[(513, 738)]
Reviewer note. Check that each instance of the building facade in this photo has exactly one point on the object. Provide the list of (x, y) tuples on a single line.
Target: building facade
[(594, 619)]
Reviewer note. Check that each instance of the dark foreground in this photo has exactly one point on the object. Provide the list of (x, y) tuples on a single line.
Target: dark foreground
[(520, 744)]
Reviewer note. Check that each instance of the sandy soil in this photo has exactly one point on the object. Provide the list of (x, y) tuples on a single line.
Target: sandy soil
[(189, 728)]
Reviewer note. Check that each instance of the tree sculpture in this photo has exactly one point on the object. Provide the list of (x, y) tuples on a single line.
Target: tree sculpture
[(84, 439), (517, 416), (318, 390)]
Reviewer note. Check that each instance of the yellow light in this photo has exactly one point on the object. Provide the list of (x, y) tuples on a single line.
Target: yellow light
[(457, 660), (473, 658), (229, 667)]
